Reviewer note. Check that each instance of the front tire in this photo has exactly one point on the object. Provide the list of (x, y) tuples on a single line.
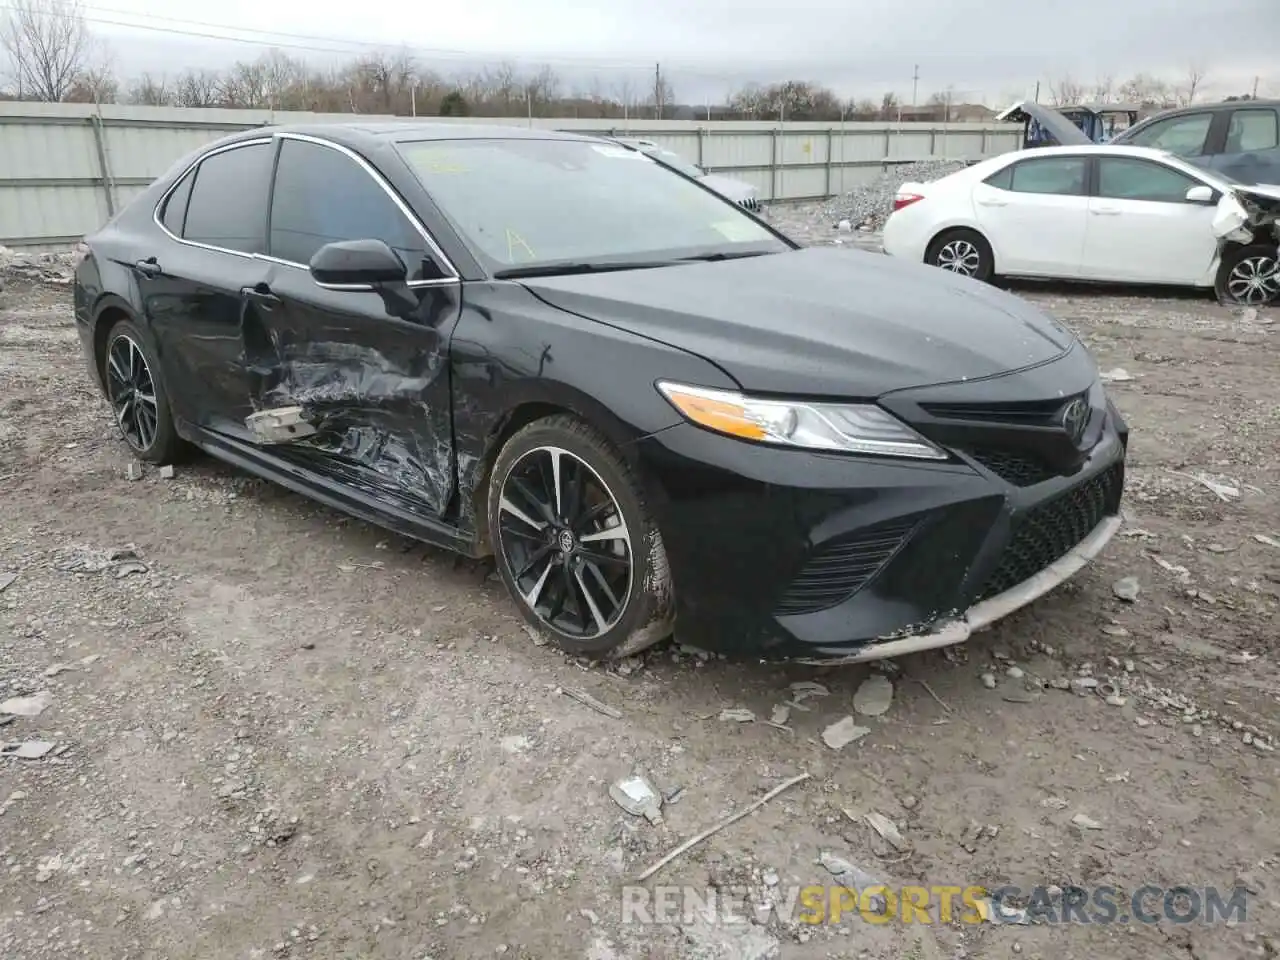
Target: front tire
[(575, 543), (965, 252), (138, 398), (1248, 276)]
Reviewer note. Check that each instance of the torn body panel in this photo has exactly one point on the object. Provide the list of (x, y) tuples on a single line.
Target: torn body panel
[(1247, 225), (340, 386)]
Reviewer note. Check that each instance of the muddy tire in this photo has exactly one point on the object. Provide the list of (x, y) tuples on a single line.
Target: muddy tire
[(574, 541), (1249, 276), (962, 251), (136, 392)]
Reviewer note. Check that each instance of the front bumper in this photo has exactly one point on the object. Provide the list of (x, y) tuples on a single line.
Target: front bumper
[(781, 554)]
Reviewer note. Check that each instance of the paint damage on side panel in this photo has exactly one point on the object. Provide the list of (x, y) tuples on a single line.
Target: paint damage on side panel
[(350, 410)]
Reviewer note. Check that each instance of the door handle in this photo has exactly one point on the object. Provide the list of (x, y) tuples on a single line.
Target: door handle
[(260, 293), (148, 267), (994, 203), (1105, 212)]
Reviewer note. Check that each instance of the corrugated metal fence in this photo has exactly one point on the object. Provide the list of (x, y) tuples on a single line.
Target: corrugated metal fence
[(66, 168)]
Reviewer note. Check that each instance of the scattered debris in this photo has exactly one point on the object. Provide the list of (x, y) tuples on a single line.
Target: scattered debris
[(31, 706), (133, 471), (166, 472), (874, 696), (636, 795), (842, 733), (587, 700), (1114, 630), (1223, 491), (1126, 589), (737, 715), (886, 828), (780, 715), (1117, 375), (852, 878), (28, 750), (695, 840), (6, 581), (929, 690), (869, 204), (1260, 537), (1085, 822), (988, 680), (803, 690)]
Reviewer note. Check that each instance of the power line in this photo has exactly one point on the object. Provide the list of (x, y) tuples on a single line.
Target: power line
[(321, 44)]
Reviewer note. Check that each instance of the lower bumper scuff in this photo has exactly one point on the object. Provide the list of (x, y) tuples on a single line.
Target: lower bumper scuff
[(982, 615)]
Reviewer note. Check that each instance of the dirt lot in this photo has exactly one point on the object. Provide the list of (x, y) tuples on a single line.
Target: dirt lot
[(280, 732)]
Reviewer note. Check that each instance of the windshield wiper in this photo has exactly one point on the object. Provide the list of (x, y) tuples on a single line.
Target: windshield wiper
[(585, 266), (713, 257)]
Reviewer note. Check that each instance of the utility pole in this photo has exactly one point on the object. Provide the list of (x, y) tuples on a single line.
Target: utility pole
[(657, 91), (1255, 88), (915, 84)]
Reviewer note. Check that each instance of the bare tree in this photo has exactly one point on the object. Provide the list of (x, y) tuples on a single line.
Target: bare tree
[(1104, 88), (1190, 86), (149, 91), (48, 47), (1066, 92), (196, 88)]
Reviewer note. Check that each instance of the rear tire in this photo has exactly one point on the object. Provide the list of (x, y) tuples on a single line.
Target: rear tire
[(1249, 276), (574, 541), (137, 395), (962, 251)]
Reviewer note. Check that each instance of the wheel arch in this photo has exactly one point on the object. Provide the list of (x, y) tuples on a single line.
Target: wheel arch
[(107, 312), (964, 226), (536, 401)]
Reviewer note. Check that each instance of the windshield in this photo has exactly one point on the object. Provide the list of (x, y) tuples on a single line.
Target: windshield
[(522, 203)]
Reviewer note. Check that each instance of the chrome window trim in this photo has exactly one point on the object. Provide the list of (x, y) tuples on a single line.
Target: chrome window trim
[(433, 248)]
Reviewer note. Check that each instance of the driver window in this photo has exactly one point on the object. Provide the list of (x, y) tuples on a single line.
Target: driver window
[(322, 196), (1125, 179)]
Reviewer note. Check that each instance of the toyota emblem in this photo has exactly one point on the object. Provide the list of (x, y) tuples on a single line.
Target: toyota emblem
[(1075, 415)]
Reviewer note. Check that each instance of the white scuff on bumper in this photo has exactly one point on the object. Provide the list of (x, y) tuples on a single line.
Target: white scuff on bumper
[(983, 614)]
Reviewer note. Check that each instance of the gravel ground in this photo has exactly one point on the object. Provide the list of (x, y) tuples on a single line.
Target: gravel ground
[(272, 731)]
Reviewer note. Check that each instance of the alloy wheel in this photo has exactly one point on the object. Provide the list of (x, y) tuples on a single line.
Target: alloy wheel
[(1254, 280), (960, 256), (132, 392), (565, 543)]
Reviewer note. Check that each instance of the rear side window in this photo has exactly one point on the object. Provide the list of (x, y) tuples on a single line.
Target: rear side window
[(323, 196), (228, 201), (1056, 176), (1182, 136), (174, 216), (1253, 130), (1121, 178)]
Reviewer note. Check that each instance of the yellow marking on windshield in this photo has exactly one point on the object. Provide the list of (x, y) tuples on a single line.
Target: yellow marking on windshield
[(514, 241)]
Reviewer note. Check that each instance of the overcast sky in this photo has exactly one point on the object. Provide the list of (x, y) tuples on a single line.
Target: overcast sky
[(981, 48)]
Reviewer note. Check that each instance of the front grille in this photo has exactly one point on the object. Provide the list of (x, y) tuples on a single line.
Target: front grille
[(1021, 414), (751, 203), (1021, 470), (1047, 532), (839, 568)]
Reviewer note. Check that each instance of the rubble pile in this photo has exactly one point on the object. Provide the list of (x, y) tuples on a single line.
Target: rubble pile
[(16, 266), (868, 205)]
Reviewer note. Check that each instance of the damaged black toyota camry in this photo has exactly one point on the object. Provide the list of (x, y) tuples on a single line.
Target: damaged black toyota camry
[(649, 406)]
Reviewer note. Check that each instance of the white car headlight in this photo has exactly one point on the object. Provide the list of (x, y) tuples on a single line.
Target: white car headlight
[(840, 427)]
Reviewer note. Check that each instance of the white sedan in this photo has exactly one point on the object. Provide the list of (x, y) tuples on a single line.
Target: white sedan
[(1098, 213)]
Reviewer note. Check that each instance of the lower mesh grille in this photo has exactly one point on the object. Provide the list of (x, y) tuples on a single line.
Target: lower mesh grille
[(839, 568), (1048, 532), (1015, 468)]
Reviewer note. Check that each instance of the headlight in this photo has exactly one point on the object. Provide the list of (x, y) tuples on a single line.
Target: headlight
[(844, 428)]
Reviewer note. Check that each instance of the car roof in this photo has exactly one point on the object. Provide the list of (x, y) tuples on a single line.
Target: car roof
[(367, 134), (1094, 149), (1208, 108)]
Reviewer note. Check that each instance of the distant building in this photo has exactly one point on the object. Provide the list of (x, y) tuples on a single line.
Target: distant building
[(959, 113)]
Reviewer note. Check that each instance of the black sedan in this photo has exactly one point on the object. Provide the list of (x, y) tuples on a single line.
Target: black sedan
[(651, 407)]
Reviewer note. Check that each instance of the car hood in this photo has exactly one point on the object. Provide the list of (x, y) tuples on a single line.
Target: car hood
[(735, 190), (1059, 127), (820, 322)]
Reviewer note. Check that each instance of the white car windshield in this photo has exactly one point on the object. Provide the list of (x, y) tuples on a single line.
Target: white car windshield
[(677, 162), (522, 203)]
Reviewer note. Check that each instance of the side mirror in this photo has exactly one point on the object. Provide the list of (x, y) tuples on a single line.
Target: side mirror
[(357, 262), (1200, 194)]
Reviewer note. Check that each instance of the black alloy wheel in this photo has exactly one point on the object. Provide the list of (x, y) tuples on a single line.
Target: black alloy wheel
[(573, 541), (1250, 276), (137, 395)]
